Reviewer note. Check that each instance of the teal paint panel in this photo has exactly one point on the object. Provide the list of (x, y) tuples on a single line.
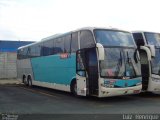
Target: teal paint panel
[(54, 69), (123, 83), (127, 83), (133, 82)]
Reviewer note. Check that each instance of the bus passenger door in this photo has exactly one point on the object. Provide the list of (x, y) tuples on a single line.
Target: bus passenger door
[(81, 73)]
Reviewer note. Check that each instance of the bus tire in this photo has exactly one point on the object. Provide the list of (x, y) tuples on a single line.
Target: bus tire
[(24, 80), (74, 87), (29, 80)]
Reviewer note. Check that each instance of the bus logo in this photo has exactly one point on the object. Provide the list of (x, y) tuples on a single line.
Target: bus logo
[(64, 55)]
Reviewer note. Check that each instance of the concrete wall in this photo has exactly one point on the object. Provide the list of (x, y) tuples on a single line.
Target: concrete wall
[(8, 65)]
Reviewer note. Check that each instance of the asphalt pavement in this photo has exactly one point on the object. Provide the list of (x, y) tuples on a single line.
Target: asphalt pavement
[(20, 99)]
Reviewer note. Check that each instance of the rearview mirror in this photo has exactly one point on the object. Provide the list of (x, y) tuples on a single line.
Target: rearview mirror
[(136, 56), (101, 53), (147, 50), (152, 49)]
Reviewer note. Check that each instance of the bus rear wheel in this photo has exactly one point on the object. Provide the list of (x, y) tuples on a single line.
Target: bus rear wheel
[(74, 88), (24, 80), (29, 80)]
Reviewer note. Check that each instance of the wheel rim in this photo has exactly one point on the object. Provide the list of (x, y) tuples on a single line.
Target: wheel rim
[(29, 82), (25, 81)]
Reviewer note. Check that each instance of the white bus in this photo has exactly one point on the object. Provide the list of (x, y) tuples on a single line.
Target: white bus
[(150, 69), (88, 62)]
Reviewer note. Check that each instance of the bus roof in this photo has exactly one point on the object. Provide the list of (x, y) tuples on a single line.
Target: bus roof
[(142, 31), (60, 35)]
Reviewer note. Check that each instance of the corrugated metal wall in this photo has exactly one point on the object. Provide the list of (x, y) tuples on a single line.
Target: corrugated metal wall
[(8, 66), (8, 57)]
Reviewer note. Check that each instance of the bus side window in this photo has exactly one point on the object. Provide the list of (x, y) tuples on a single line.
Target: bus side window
[(37, 50), (58, 45), (138, 39), (86, 39), (74, 42), (48, 48), (25, 53), (67, 43), (31, 51), (41, 49), (19, 53)]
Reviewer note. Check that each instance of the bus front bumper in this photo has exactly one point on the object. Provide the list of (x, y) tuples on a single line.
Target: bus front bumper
[(154, 85), (108, 92)]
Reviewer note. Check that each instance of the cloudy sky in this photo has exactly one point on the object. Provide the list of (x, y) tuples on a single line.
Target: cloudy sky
[(37, 19)]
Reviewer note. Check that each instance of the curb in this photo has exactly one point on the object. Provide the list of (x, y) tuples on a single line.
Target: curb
[(10, 82)]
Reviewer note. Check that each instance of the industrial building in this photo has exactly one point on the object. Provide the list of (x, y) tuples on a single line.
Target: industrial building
[(8, 58)]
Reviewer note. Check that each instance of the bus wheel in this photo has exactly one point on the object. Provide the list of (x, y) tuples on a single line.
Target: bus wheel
[(24, 80), (74, 88), (29, 81)]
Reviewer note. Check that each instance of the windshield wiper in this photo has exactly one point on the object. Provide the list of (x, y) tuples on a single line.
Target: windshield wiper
[(128, 58), (120, 60), (119, 64), (130, 68)]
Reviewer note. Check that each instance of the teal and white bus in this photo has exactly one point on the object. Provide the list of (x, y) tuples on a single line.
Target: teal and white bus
[(88, 62), (150, 59)]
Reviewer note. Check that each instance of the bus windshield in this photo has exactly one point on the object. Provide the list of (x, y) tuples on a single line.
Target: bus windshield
[(153, 38), (155, 62), (113, 38), (119, 63)]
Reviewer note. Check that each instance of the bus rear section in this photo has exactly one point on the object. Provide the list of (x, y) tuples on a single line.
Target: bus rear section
[(149, 49)]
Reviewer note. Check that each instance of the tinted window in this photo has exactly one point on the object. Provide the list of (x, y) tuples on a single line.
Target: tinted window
[(86, 39), (24, 53), (19, 54), (59, 45), (37, 50), (113, 38), (48, 48), (31, 51), (156, 62), (138, 38), (41, 49), (119, 62), (74, 42), (153, 38), (67, 43)]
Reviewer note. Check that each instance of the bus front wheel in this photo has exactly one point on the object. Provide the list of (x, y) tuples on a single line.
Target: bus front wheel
[(29, 81), (74, 88)]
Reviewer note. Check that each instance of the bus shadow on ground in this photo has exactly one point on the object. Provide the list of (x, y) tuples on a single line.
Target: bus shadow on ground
[(114, 99), (68, 95), (148, 95)]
